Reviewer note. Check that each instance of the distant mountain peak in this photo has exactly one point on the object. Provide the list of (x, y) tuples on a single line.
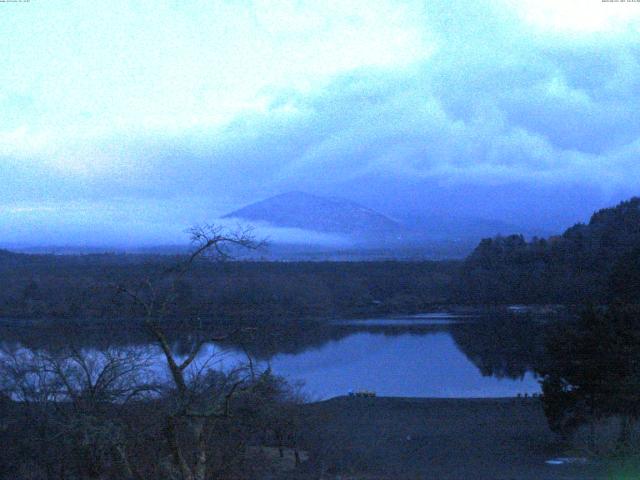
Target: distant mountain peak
[(321, 214)]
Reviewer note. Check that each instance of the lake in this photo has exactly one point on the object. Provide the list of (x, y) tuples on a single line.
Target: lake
[(427, 355)]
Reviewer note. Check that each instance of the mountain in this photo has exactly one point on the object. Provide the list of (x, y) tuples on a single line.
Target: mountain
[(325, 215)]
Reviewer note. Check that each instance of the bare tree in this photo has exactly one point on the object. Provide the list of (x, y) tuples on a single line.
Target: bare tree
[(73, 400), (196, 401), (93, 412)]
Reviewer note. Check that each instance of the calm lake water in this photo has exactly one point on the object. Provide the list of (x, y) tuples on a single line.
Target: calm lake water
[(429, 355), (404, 365)]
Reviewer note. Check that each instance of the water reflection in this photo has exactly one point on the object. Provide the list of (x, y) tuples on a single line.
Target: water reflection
[(430, 355), (402, 365)]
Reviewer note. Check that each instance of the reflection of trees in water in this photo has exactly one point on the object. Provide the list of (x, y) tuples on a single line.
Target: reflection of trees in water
[(503, 346), (98, 336), (500, 346), (265, 345), (262, 344), (60, 335)]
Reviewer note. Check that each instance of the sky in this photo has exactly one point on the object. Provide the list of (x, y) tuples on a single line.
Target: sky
[(127, 122)]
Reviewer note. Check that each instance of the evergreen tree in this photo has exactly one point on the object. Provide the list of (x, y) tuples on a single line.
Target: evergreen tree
[(592, 370)]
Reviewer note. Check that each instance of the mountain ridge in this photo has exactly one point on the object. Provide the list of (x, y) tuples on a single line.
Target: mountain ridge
[(321, 214)]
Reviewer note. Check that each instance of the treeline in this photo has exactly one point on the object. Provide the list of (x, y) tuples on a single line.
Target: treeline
[(591, 381), (86, 287), (589, 365), (594, 263)]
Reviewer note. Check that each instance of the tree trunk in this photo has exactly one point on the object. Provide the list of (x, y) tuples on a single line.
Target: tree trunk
[(176, 452), (129, 473), (592, 435), (625, 431), (280, 444), (200, 469)]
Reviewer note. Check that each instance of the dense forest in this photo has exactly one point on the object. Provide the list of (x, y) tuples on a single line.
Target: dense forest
[(74, 287), (593, 263)]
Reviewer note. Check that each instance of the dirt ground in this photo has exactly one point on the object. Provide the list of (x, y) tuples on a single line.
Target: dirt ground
[(497, 439)]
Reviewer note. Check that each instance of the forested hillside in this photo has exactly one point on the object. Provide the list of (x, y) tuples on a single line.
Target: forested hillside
[(594, 262)]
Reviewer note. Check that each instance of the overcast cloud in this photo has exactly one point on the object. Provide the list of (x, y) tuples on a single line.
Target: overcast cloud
[(153, 115)]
